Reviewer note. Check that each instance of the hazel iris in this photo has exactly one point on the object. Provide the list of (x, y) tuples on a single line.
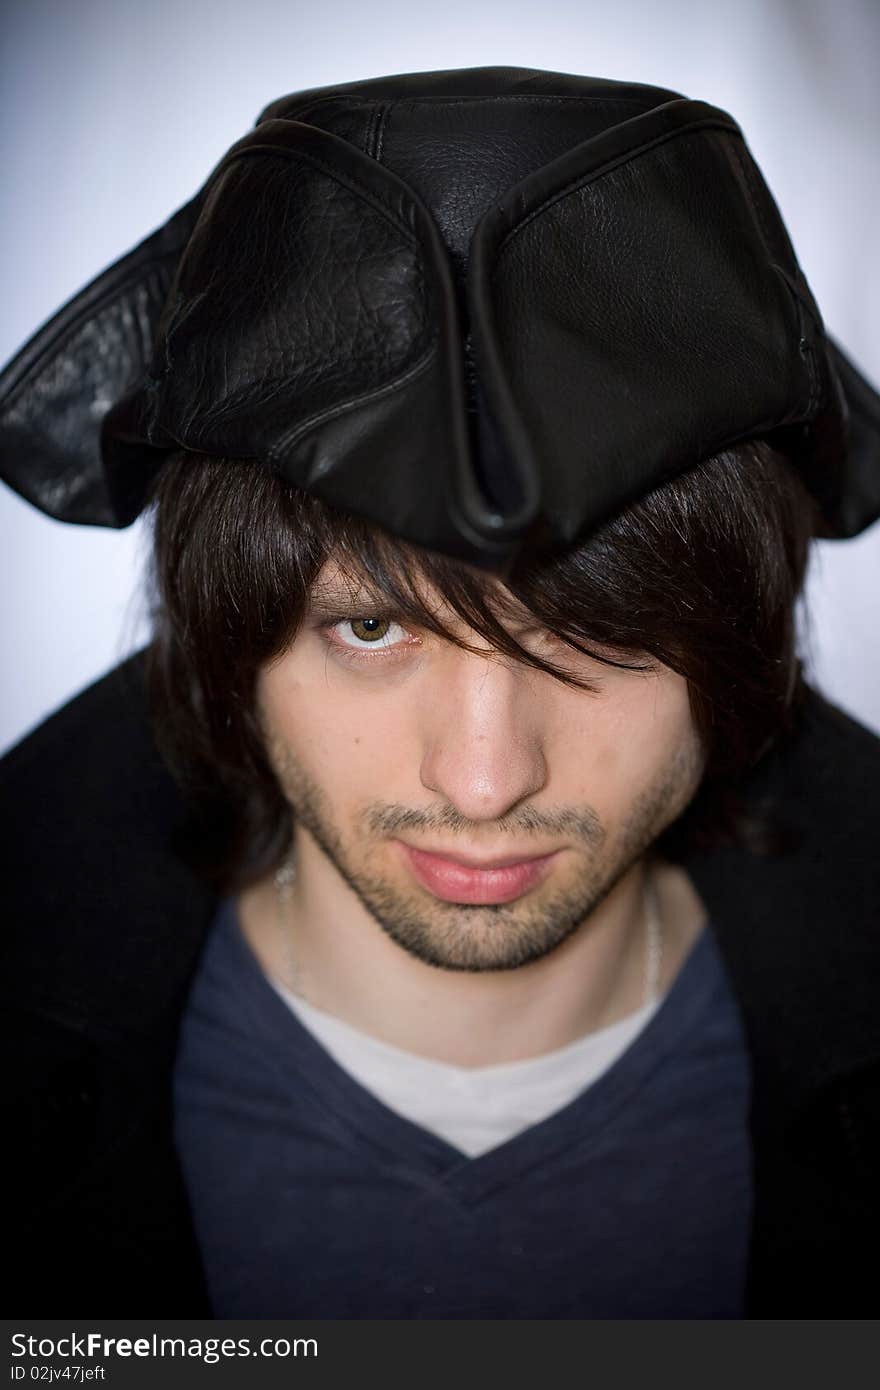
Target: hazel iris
[(370, 629)]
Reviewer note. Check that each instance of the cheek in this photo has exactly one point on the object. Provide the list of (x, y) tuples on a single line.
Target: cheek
[(351, 748), (634, 733)]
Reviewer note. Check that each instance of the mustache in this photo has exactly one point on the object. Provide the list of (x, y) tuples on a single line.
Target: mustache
[(386, 818)]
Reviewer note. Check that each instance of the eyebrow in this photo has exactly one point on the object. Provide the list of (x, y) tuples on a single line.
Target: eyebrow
[(330, 602)]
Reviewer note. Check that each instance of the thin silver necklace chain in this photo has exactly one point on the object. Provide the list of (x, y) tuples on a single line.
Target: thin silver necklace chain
[(285, 875), (653, 941)]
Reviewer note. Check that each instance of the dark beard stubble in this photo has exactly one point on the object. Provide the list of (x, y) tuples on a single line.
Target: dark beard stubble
[(499, 936)]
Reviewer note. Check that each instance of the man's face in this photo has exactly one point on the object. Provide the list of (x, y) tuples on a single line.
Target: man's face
[(400, 752)]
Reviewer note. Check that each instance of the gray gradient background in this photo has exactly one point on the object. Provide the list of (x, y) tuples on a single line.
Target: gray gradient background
[(112, 113)]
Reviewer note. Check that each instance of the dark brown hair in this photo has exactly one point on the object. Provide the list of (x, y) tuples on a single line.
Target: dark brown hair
[(702, 574)]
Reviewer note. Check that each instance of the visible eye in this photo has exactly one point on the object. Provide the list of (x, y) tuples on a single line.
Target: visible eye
[(368, 635)]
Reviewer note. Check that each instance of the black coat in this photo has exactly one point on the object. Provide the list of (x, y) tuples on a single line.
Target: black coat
[(104, 926)]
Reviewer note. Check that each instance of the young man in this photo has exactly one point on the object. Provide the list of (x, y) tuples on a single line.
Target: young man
[(462, 908)]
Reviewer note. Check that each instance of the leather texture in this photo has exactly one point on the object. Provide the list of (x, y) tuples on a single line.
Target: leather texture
[(483, 308)]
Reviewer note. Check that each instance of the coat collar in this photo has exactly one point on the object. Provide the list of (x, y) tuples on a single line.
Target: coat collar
[(799, 931)]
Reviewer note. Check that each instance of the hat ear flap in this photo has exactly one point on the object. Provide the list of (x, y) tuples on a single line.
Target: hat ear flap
[(55, 392), (312, 325), (636, 307), (860, 502)]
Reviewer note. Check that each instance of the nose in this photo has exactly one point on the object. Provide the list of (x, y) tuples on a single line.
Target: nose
[(482, 744)]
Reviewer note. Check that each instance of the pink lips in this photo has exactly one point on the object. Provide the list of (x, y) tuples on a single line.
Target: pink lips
[(461, 883)]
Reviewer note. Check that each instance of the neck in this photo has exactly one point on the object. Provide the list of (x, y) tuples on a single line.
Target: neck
[(348, 967)]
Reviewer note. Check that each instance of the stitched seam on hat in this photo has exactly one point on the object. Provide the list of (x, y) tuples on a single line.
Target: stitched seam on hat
[(313, 421), (583, 180), (804, 315), (345, 179), (380, 134), (802, 310), (586, 102), (739, 152), (299, 113), (370, 135)]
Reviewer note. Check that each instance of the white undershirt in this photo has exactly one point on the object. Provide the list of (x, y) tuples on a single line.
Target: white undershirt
[(473, 1108)]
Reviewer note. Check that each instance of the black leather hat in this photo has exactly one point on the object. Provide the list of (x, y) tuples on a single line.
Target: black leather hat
[(483, 308)]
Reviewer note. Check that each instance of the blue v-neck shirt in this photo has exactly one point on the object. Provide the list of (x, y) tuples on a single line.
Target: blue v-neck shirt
[(313, 1199)]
